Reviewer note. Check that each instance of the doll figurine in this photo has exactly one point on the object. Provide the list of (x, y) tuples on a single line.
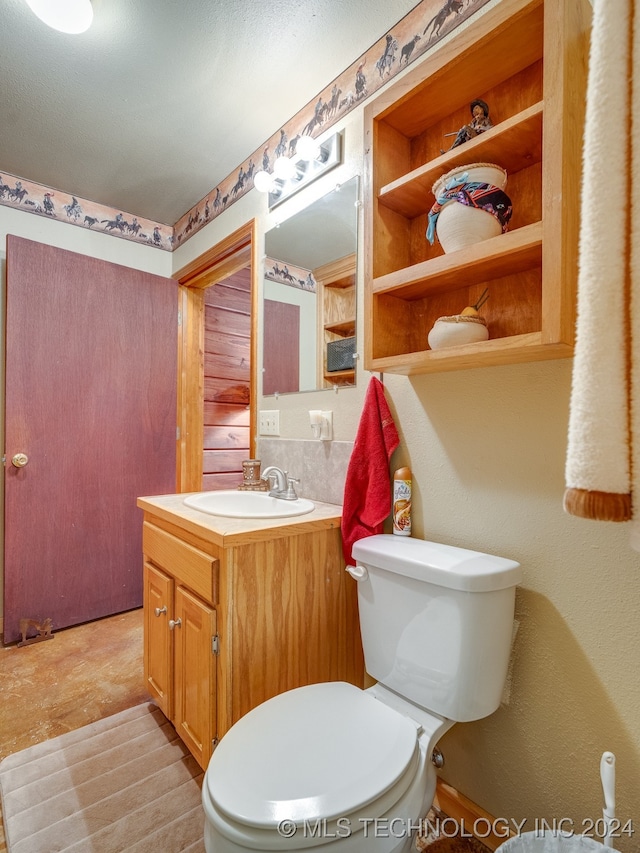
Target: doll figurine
[(480, 122)]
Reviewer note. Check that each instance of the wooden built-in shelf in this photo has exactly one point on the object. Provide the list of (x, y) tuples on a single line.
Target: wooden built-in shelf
[(340, 377), (344, 330), (528, 60), (336, 314), (515, 144), (514, 251)]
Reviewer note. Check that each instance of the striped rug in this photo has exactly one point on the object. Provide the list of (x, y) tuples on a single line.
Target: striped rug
[(125, 784)]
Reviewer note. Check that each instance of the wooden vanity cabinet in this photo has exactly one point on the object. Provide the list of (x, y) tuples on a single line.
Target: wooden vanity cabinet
[(158, 640), (528, 60), (234, 615), (179, 641)]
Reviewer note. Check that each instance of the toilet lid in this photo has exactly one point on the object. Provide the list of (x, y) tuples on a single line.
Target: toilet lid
[(322, 751)]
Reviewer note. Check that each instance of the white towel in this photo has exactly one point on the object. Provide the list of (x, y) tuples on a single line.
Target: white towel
[(634, 274), (601, 423)]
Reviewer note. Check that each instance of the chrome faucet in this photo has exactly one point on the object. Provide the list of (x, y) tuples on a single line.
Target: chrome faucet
[(283, 485)]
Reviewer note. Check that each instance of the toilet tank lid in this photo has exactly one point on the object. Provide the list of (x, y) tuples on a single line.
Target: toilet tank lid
[(432, 562)]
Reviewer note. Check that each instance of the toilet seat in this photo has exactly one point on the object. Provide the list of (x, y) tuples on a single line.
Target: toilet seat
[(314, 753)]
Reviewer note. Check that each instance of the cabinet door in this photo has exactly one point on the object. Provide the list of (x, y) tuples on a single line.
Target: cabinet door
[(158, 660), (194, 674)]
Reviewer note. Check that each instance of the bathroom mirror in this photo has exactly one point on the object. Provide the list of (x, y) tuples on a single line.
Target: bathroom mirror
[(309, 296)]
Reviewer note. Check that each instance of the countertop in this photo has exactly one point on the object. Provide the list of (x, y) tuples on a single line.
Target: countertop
[(237, 531)]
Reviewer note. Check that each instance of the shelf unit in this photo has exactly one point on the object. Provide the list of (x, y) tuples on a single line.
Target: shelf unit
[(336, 315), (528, 60)]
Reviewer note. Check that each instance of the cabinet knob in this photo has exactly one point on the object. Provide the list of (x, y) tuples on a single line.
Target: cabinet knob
[(161, 610), (175, 623)]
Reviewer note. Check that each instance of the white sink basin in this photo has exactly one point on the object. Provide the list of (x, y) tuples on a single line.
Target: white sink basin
[(235, 504)]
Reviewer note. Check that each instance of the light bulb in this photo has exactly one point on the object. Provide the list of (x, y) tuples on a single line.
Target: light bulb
[(284, 168), (307, 148), (263, 181), (67, 16)]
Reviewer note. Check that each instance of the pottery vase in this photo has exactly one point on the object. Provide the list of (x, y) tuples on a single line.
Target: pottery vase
[(456, 330), (459, 225)]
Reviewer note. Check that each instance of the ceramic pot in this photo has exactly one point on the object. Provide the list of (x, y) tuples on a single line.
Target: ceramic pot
[(458, 225), (457, 329)]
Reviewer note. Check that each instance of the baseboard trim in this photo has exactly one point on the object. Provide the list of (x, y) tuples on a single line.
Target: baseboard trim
[(471, 816)]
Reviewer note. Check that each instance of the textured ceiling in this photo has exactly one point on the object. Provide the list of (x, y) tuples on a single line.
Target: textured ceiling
[(162, 99)]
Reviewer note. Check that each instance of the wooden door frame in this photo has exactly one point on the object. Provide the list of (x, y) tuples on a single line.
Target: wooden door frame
[(235, 252)]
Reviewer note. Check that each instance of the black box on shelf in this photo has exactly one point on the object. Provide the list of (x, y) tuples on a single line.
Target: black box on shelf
[(340, 354)]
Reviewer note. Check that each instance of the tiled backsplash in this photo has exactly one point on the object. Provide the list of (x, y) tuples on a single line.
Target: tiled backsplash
[(321, 466)]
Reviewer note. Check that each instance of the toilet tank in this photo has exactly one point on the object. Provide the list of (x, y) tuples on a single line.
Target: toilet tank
[(436, 622)]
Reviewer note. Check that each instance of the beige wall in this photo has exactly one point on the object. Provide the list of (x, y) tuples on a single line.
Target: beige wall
[(487, 450), (294, 408)]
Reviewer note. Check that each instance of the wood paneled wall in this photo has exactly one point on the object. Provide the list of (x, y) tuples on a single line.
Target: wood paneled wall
[(227, 378)]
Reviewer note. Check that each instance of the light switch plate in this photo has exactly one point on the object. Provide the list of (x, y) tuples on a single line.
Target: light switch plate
[(269, 422)]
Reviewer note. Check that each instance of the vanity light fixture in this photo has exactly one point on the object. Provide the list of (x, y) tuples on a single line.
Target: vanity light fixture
[(307, 148), (66, 16), (311, 160), (284, 169), (263, 181)]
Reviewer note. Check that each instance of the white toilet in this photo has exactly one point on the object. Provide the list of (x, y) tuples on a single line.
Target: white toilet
[(331, 765)]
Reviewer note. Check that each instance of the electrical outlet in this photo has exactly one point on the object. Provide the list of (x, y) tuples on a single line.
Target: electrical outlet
[(269, 422)]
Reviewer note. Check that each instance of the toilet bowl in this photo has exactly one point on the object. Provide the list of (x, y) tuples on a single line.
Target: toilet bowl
[(339, 764), (334, 765)]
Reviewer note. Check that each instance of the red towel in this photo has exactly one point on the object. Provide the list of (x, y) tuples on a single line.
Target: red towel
[(367, 488)]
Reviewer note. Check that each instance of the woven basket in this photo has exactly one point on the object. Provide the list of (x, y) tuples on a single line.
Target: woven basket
[(458, 225)]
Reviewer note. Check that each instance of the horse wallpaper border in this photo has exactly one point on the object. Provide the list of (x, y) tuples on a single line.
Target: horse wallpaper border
[(289, 275), (56, 204), (415, 34)]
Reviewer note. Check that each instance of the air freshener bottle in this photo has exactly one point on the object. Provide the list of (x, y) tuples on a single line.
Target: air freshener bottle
[(402, 502)]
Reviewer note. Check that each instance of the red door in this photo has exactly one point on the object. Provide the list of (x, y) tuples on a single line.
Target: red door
[(281, 359), (90, 403)]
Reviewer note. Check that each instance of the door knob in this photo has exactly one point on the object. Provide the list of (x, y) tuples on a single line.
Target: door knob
[(175, 623), (19, 460)]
